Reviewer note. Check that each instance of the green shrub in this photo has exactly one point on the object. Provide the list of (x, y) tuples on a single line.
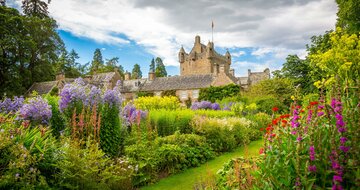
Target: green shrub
[(152, 103), (194, 148), (259, 120), (144, 94), (223, 134), (57, 121), (167, 122), (218, 93), (309, 98), (266, 103), (111, 131), (85, 166)]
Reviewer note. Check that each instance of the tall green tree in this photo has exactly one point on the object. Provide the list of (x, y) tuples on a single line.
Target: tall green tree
[(97, 63), (298, 70), (152, 65), (113, 64), (36, 8), (160, 70), (29, 50), (136, 72), (349, 15)]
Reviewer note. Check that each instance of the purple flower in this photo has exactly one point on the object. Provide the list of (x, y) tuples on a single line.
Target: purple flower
[(312, 168), (299, 139), (72, 93), (344, 148), (320, 113), (37, 110), (226, 108), (308, 119), (312, 153), (8, 106), (336, 187), (215, 106), (94, 97), (337, 178), (112, 97), (130, 114), (343, 140)]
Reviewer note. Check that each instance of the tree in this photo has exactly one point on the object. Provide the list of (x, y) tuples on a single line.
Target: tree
[(136, 72), (97, 63), (160, 70), (36, 8), (152, 65), (341, 60), (349, 15), (297, 70), (29, 50)]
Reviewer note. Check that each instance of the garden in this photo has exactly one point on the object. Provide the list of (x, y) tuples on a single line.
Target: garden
[(90, 138)]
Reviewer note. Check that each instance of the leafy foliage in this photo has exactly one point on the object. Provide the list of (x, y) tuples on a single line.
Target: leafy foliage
[(160, 70), (152, 103), (136, 72), (218, 93)]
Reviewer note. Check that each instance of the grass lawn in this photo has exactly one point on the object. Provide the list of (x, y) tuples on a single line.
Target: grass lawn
[(188, 178)]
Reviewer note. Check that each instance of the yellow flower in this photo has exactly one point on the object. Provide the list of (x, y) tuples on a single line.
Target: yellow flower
[(293, 97)]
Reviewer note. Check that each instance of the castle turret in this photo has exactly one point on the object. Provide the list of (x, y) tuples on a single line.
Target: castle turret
[(182, 55), (228, 56), (209, 50)]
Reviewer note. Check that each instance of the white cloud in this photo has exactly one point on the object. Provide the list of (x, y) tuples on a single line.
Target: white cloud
[(161, 27), (238, 54)]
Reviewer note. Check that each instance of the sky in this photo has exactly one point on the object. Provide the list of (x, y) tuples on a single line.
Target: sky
[(259, 34)]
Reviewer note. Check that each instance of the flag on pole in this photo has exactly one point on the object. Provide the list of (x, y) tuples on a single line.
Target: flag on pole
[(212, 24)]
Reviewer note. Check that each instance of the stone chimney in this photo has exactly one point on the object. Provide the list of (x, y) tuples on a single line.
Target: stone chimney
[(232, 72), (151, 76), (127, 76), (60, 76), (249, 72)]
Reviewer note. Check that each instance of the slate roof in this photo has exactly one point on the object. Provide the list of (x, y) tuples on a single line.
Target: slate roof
[(179, 83), (133, 85), (42, 87), (102, 77)]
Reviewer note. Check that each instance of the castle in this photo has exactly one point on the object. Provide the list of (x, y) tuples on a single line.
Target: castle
[(202, 67)]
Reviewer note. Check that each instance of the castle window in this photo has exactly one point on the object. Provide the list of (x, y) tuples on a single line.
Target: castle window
[(195, 94), (183, 95)]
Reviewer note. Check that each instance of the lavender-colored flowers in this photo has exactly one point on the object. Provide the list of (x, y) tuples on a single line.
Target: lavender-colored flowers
[(36, 110), (205, 105), (112, 97), (312, 153), (312, 168), (72, 93), (131, 115), (8, 106), (94, 97)]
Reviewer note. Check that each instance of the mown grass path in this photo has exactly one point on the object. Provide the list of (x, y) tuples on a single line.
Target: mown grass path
[(185, 180)]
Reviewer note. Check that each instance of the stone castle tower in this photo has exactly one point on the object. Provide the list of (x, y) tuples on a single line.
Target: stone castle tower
[(204, 60)]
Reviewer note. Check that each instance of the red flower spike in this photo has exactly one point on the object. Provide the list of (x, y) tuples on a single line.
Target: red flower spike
[(275, 109)]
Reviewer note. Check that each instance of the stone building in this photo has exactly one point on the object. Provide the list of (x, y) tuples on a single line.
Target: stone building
[(202, 67), (102, 80)]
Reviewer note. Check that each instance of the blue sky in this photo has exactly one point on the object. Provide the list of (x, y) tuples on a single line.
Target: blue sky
[(259, 34)]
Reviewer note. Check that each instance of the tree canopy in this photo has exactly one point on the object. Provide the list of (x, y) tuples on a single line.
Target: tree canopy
[(160, 70), (136, 72)]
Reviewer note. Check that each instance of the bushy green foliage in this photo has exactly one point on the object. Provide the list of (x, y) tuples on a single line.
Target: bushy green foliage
[(306, 99), (26, 155), (194, 147), (143, 94), (92, 169), (266, 103), (153, 103), (218, 93), (167, 122), (280, 88), (223, 134), (57, 121), (167, 155), (111, 131)]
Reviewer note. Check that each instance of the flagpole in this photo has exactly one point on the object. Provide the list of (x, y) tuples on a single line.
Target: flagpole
[(212, 31)]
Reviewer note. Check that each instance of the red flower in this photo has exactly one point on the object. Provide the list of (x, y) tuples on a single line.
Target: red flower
[(284, 116), (261, 129), (269, 128), (275, 109), (261, 151), (314, 103), (273, 135), (284, 121), (274, 122)]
